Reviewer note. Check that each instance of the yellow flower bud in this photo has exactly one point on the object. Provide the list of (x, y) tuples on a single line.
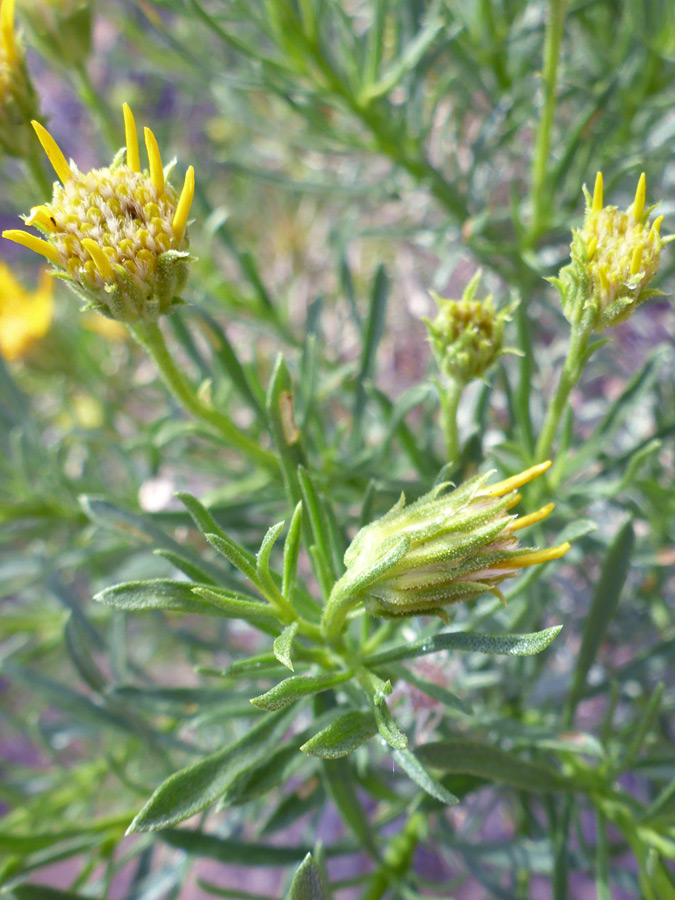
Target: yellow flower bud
[(615, 256), (445, 547), (118, 234)]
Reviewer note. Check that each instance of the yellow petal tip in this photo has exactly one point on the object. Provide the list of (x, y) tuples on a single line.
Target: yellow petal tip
[(640, 194), (53, 151), (597, 193)]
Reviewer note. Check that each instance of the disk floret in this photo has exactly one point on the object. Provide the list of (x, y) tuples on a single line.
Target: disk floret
[(118, 234), (615, 256), (467, 334), (445, 547)]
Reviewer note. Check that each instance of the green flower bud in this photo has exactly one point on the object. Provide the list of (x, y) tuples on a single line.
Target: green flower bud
[(18, 100), (467, 334), (615, 255), (61, 29), (446, 547)]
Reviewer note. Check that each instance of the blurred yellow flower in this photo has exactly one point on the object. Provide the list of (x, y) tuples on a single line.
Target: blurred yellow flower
[(18, 100), (24, 315)]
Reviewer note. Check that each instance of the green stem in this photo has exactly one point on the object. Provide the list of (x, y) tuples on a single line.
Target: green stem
[(397, 858), (450, 396), (555, 24), (150, 336), (93, 99), (339, 605), (569, 376)]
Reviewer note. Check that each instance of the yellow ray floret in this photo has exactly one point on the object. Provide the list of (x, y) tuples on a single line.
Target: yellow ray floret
[(591, 247), (597, 194), (184, 204), (7, 30), (101, 261), (533, 518), (536, 557), (640, 194), (513, 501), (156, 170), (53, 151), (636, 259), (33, 243), (131, 135), (655, 231), (516, 481), (40, 215)]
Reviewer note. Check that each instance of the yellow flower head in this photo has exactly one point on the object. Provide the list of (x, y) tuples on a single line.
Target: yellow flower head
[(467, 334), (24, 315), (615, 255), (118, 234), (18, 100), (445, 547)]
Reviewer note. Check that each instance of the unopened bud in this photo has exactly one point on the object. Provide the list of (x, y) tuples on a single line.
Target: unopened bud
[(615, 256), (467, 334)]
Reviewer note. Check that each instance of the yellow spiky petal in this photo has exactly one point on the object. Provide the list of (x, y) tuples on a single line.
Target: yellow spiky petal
[(533, 518), (516, 481), (131, 135), (640, 194), (597, 194), (7, 30), (536, 557), (591, 247), (40, 215), (184, 204), (33, 243), (655, 231), (155, 160), (513, 501), (53, 151), (101, 261), (636, 259)]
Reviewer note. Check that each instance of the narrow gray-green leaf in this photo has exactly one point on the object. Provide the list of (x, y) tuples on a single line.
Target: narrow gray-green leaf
[(424, 779), (341, 737), (240, 558), (603, 606), (296, 687), (309, 882), (505, 644), (258, 614), (263, 557), (386, 724), (282, 645), (291, 551), (484, 760), (192, 789)]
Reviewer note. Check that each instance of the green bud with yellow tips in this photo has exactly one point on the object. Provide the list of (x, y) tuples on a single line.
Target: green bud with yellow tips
[(615, 256)]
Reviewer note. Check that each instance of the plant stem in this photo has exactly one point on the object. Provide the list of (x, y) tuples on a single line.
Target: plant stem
[(338, 607), (450, 397), (574, 363), (34, 163), (93, 99), (150, 336), (555, 23)]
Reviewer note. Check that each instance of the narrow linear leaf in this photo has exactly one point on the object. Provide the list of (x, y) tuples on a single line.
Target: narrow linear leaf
[(194, 788), (170, 595), (386, 724), (309, 882), (504, 644), (234, 553), (424, 779), (486, 761), (263, 557), (603, 606), (197, 843), (291, 551), (296, 687), (341, 737), (259, 614), (282, 645)]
